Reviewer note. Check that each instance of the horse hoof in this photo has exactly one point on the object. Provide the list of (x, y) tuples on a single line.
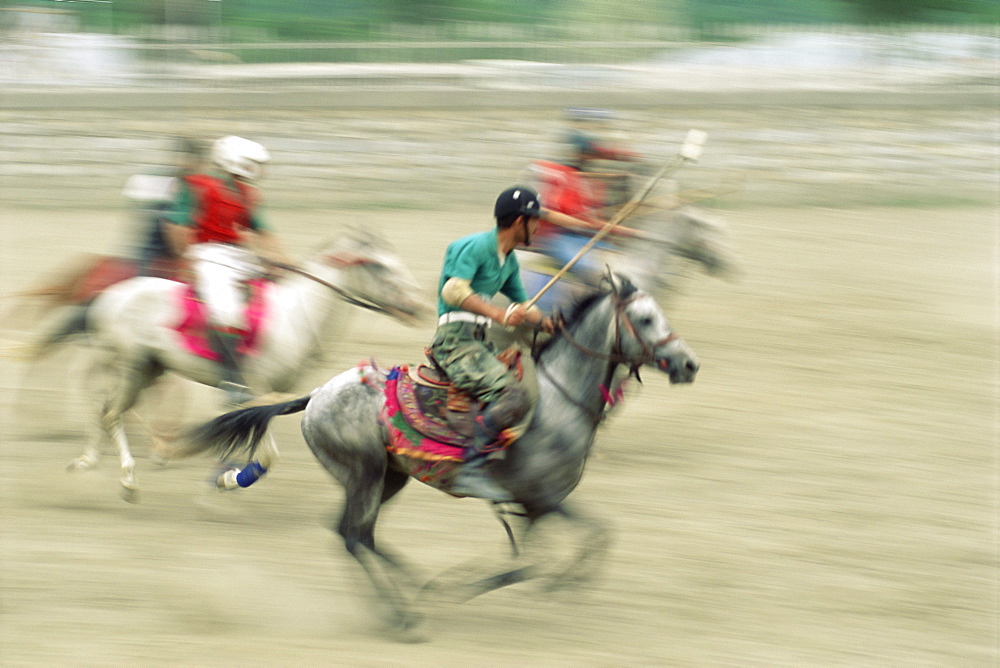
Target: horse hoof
[(82, 463), (413, 636), (129, 494), (227, 480), (408, 627)]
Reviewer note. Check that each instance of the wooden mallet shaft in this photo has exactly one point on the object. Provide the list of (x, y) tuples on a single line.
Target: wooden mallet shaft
[(690, 151)]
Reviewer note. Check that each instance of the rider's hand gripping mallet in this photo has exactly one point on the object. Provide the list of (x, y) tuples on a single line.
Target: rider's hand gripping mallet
[(690, 151)]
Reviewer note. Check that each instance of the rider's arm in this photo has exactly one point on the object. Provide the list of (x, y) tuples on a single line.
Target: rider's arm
[(589, 223), (516, 313), (458, 292)]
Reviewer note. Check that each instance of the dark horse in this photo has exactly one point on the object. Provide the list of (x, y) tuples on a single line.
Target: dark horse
[(613, 328)]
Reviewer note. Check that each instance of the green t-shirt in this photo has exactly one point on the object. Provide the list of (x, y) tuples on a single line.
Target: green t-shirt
[(475, 258)]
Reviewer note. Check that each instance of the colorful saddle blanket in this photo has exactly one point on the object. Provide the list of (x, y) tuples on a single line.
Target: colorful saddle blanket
[(430, 423), (194, 321)]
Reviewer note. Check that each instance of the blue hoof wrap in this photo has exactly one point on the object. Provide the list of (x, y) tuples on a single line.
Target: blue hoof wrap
[(250, 474)]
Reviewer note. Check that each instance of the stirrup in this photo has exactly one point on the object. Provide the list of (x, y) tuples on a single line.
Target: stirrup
[(478, 483)]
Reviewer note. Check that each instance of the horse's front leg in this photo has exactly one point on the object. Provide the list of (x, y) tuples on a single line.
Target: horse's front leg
[(116, 429), (593, 547), (596, 538), (454, 586)]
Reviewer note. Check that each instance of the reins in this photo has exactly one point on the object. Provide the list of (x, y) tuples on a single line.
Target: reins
[(343, 294), (616, 355)]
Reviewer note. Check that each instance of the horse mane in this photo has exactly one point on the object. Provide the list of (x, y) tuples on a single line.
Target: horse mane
[(575, 310), (609, 283)]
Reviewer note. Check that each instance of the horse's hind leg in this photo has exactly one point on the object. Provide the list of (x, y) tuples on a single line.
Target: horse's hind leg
[(132, 379), (393, 482), (365, 487), (358, 533), (235, 478)]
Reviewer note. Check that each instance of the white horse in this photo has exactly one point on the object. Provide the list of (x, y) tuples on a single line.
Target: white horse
[(132, 329), (650, 261), (688, 233)]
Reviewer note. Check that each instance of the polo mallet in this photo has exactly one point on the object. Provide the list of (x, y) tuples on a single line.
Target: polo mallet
[(690, 151)]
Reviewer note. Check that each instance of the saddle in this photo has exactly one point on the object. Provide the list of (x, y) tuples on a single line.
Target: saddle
[(439, 410), (194, 321), (430, 422)]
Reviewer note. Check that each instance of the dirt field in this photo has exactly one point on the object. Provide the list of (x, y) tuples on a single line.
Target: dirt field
[(825, 494)]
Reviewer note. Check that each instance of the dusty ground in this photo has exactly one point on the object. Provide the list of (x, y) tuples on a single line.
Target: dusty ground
[(825, 494)]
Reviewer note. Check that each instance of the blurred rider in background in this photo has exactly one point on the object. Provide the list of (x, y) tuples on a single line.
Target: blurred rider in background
[(154, 195), (571, 187), (216, 222)]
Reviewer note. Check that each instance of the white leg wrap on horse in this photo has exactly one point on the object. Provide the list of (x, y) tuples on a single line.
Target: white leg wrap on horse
[(228, 480)]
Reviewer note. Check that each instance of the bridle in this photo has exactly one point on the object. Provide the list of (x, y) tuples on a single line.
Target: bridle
[(615, 357)]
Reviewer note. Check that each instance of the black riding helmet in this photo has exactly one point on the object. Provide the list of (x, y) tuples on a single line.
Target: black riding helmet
[(519, 200)]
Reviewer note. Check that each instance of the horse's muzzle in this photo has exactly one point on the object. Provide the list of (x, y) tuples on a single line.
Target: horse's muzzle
[(678, 361)]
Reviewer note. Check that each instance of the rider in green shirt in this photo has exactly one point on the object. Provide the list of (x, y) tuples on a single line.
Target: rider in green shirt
[(475, 269)]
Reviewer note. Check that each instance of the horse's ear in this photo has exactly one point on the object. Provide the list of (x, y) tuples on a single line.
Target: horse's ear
[(611, 279), (626, 288)]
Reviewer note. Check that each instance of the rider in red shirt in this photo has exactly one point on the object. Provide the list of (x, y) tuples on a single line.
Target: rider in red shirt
[(216, 223), (566, 189)]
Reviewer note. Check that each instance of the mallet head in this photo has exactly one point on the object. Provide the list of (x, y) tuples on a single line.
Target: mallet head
[(694, 142)]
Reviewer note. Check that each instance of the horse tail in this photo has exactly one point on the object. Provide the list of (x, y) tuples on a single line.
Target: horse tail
[(238, 431), (73, 324)]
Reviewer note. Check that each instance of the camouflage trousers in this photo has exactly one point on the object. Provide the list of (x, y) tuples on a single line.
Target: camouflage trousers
[(461, 350)]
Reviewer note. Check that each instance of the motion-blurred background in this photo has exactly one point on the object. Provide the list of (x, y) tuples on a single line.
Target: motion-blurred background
[(807, 95), (825, 494)]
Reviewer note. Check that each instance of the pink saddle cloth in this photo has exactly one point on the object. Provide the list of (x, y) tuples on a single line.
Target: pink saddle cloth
[(194, 321), (430, 424), (412, 431), (427, 459)]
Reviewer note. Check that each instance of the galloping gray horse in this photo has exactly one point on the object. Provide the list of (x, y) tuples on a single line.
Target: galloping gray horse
[(616, 326)]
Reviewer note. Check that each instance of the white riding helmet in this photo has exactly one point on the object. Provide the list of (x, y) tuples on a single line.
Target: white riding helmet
[(240, 156)]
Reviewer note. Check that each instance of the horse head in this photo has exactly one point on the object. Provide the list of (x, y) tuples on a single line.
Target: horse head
[(704, 239), (643, 335), (370, 274)]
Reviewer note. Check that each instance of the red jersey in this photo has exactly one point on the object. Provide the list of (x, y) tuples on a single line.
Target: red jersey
[(565, 190), (220, 213)]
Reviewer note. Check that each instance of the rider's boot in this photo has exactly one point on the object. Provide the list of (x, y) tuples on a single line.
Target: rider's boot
[(225, 346), (474, 478)]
